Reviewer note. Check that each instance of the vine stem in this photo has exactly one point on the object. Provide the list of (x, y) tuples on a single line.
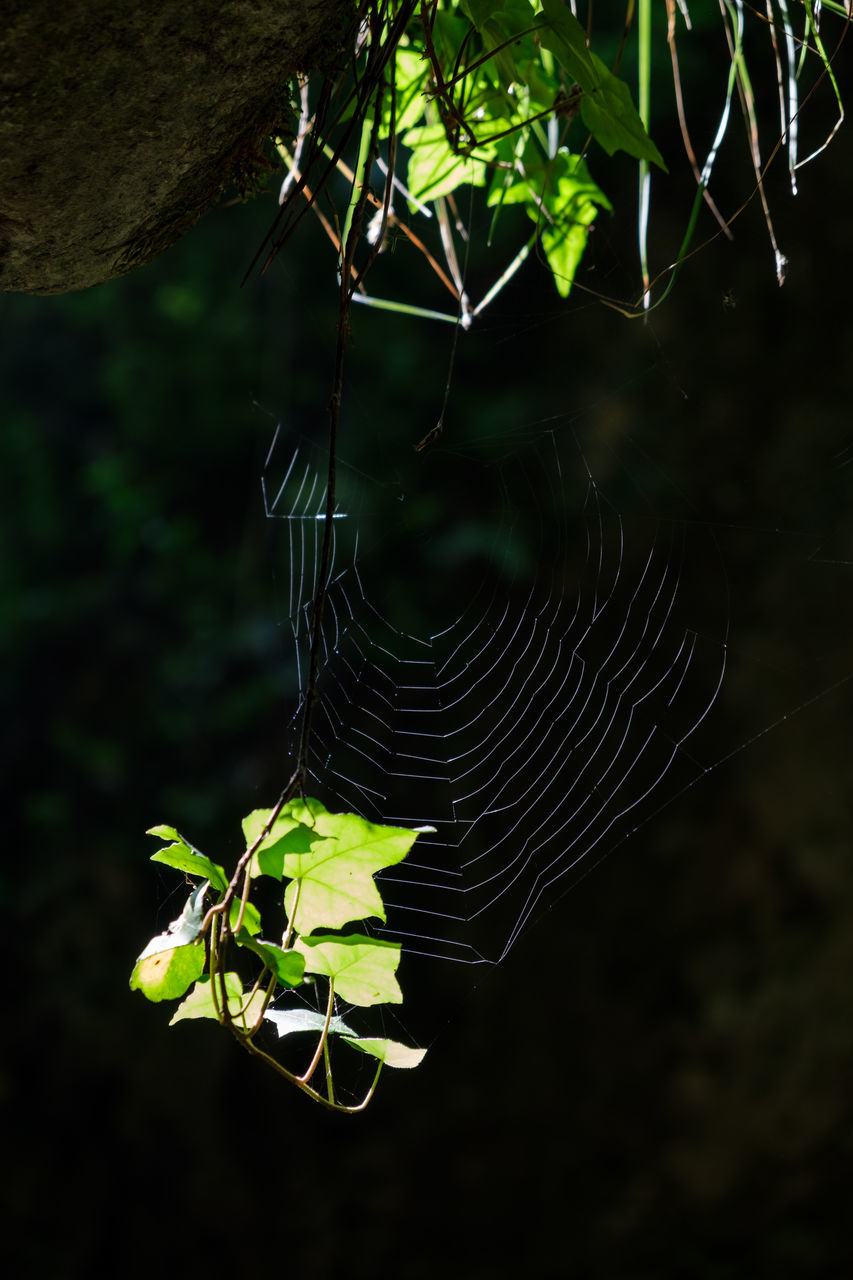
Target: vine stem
[(324, 1035), (217, 917), (219, 908), (355, 218), (312, 1093)]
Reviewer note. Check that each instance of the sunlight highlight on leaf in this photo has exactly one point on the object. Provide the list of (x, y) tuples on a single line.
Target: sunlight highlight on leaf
[(333, 884), (166, 975), (183, 857), (361, 968), (391, 1052)]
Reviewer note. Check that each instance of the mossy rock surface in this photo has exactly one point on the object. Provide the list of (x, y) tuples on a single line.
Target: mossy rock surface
[(120, 124)]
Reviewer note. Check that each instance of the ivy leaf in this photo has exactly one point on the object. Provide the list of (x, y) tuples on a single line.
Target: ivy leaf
[(174, 959), (361, 968), (286, 836), (200, 1004), (564, 249), (183, 857), (165, 975), (435, 169), (269, 859), (610, 115), (287, 1021), (251, 917), (411, 77), (254, 823), (572, 207), (332, 884), (563, 200), (288, 966), (391, 1052)]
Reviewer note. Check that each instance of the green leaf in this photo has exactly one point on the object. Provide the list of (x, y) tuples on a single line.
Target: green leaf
[(361, 968), (572, 207), (493, 38), (251, 917), (286, 836), (165, 975), (563, 35), (564, 250), (610, 115), (435, 169), (411, 78), (254, 823), (199, 1003), (164, 832), (183, 857), (391, 1052), (479, 11), (563, 201), (607, 108), (287, 1021), (269, 859), (333, 883), (288, 966)]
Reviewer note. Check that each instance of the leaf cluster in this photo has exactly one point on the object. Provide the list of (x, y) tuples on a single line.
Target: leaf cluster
[(325, 864), (514, 97), (506, 95), (502, 95)]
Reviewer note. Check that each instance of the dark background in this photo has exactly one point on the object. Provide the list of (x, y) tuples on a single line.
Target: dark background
[(657, 1080)]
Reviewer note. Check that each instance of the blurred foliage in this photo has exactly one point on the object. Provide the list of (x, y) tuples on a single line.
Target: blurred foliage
[(680, 1106)]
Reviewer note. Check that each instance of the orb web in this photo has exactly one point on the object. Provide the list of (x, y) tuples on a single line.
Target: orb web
[(516, 652)]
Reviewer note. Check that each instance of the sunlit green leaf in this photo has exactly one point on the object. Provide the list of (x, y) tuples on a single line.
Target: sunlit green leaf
[(183, 857), (200, 1004), (254, 823), (286, 836), (287, 1021), (411, 78), (251, 917), (571, 206), (564, 250), (434, 168), (165, 975), (269, 859), (164, 832), (362, 968), (333, 883), (288, 966), (563, 201), (391, 1052)]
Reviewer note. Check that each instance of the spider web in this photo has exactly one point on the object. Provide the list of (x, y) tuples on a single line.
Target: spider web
[(514, 653)]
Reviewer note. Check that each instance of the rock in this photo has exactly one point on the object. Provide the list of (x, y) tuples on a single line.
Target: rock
[(120, 124)]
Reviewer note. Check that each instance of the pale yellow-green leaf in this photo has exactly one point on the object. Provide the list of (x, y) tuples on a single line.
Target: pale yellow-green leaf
[(165, 975), (332, 884), (361, 968), (391, 1052), (200, 1003)]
